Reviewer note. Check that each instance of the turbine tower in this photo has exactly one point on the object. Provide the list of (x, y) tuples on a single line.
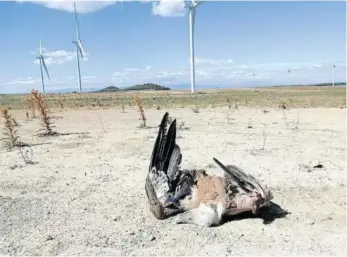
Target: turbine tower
[(191, 7), (334, 66), (42, 63), (253, 79), (289, 75), (79, 49)]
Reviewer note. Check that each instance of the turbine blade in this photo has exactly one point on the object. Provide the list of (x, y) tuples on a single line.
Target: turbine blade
[(40, 47), (76, 23), (80, 48), (44, 65), (195, 4)]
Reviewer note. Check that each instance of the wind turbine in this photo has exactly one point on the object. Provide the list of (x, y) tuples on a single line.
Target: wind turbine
[(42, 63), (334, 66), (253, 79), (79, 49), (289, 75), (191, 7)]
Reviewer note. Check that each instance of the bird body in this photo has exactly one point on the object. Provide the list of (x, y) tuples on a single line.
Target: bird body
[(193, 195)]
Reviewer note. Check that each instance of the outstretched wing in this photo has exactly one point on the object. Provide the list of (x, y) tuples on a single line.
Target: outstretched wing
[(163, 169), (245, 182)]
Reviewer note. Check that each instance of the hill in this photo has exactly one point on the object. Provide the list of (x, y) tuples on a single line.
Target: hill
[(147, 86), (109, 89)]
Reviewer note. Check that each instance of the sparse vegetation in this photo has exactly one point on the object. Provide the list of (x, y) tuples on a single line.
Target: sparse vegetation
[(303, 97), (196, 109), (11, 138), (45, 117), (264, 140), (31, 107), (139, 104), (293, 125)]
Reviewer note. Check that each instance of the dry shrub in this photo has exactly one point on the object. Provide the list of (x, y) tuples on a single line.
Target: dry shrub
[(293, 125), (228, 101), (31, 106), (27, 115), (61, 104), (11, 138), (43, 109), (196, 109), (139, 104)]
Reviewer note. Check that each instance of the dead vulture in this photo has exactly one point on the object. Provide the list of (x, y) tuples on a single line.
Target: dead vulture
[(195, 196)]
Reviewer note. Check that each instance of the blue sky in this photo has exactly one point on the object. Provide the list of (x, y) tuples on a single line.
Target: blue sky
[(143, 41)]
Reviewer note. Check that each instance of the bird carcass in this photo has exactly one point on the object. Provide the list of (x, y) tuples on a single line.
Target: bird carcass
[(193, 195)]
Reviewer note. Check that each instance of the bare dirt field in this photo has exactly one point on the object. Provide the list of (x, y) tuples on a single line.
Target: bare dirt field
[(85, 195)]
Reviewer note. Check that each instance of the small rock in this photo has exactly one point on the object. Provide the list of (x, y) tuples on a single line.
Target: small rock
[(153, 238), (318, 166), (132, 233), (249, 126), (330, 218), (49, 238)]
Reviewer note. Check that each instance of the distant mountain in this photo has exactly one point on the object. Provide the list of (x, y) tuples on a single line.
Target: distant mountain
[(109, 89), (147, 86)]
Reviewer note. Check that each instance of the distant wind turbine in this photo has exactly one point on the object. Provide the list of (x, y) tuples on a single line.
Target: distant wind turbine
[(334, 66), (191, 7), (79, 49), (42, 63), (253, 79), (289, 75)]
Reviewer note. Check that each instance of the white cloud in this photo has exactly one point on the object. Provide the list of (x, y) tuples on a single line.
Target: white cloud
[(59, 57), (207, 61), (81, 6), (168, 8), (131, 69), (22, 81)]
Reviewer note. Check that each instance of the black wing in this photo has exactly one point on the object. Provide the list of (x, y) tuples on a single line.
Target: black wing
[(245, 182), (163, 169)]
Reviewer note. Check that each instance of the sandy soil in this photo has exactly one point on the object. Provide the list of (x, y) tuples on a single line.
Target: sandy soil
[(85, 195)]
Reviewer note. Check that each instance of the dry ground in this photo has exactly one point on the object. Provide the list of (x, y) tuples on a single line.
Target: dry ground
[(85, 195)]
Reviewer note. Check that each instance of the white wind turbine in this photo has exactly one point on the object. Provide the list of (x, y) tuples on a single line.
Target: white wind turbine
[(191, 7), (42, 63), (79, 49), (334, 67)]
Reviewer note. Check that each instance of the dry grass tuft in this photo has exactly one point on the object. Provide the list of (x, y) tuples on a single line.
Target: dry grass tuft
[(139, 104), (31, 106), (11, 138), (44, 113)]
